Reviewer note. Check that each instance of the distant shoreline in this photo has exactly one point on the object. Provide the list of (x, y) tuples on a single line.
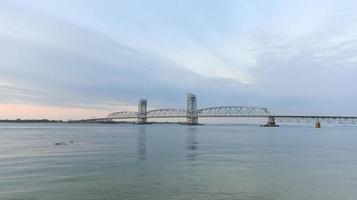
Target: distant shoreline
[(31, 121), (76, 122)]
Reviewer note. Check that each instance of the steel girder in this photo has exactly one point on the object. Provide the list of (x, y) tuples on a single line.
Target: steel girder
[(313, 119), (122, 115), (163, 113), (158, 113), (233, 111)]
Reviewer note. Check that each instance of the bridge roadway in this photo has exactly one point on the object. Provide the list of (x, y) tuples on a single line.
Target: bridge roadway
[(192, 114), (272, 123)]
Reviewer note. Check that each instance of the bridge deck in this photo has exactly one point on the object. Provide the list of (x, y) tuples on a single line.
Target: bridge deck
[(278, 118)]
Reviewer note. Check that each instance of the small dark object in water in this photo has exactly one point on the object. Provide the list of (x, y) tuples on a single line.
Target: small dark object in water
[(64, 143)]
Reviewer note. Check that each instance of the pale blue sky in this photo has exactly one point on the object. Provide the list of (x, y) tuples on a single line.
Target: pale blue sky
[(296, 57)]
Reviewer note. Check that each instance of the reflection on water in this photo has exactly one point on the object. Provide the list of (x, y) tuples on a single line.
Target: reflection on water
[(141, 137), (191, 143), (159, 162)]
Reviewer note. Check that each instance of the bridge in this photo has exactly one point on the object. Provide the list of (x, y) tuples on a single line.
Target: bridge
[(192, 113)]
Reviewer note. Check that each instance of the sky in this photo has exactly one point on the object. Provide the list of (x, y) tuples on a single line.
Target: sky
[(74, 59)]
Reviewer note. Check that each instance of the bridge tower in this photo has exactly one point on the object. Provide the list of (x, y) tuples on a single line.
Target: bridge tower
[(142, 108), (271, 122), (192, 118)]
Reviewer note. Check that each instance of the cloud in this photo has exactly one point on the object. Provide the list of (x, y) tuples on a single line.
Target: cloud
[(58, 63), (291, 56)]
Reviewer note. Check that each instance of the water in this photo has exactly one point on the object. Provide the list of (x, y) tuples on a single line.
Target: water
[(176, 162)]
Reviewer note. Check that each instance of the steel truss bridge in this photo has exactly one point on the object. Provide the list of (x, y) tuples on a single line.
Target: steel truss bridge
[(224, 111), (192, 114)]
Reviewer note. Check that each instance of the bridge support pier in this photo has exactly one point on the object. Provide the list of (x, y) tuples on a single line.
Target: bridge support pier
[(317, 124), (271, 122), (142, 109), (192, 118)]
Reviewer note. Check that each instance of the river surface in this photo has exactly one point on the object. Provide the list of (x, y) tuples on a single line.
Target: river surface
[(107, 162)]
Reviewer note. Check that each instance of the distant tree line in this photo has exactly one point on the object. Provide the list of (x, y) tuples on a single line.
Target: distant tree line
[(30, 121)]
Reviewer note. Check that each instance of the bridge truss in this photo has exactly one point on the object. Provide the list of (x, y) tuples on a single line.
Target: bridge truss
[(314, 119), (123, 115), (233, 111), (192, 114), (223, 111)]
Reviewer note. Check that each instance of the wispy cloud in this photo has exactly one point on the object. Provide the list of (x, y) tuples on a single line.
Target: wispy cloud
[(291, 56)]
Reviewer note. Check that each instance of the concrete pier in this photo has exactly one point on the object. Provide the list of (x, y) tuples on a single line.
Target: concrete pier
[(317, 124)]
